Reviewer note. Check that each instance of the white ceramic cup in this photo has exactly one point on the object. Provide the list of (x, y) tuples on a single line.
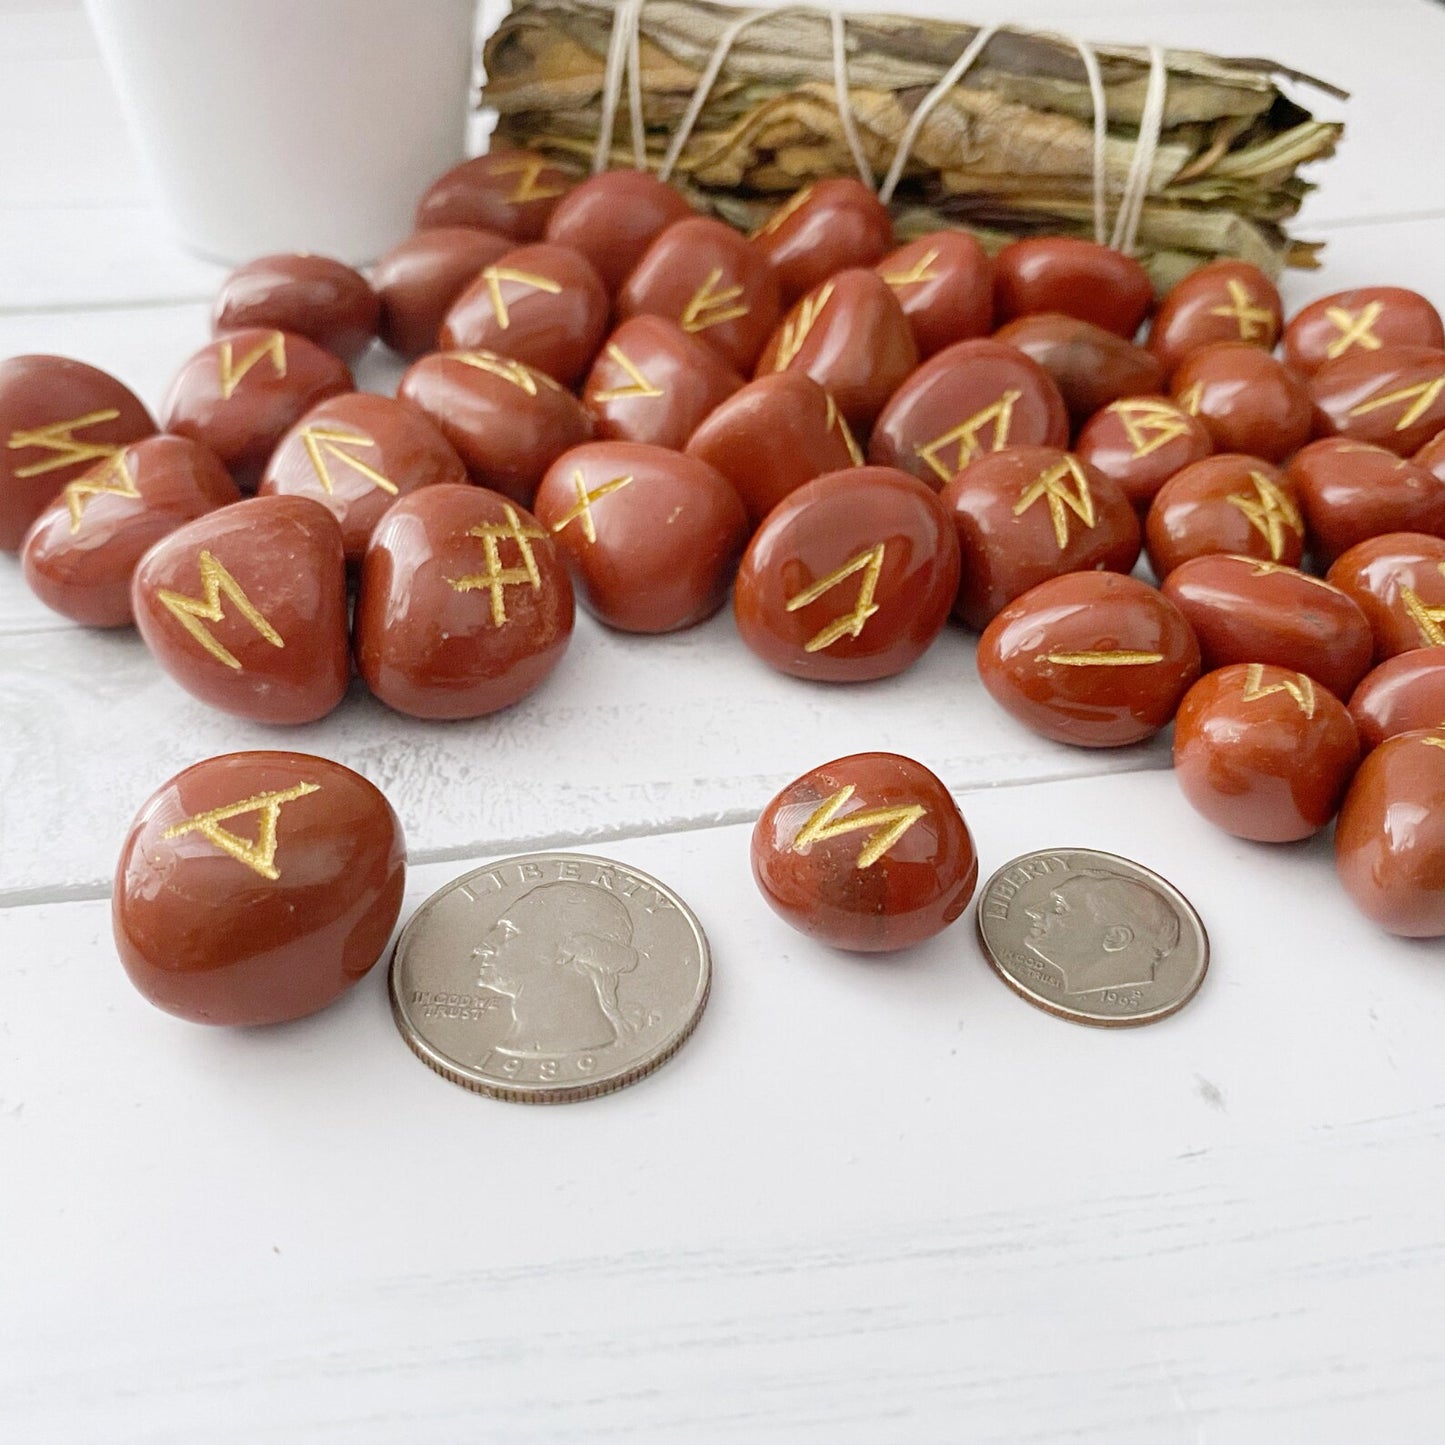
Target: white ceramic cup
[(291, 125)]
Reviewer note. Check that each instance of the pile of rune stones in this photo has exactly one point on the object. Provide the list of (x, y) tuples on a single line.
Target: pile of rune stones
[(614, 398)]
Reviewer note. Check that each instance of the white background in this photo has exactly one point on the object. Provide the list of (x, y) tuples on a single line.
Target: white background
[(871, 1200)]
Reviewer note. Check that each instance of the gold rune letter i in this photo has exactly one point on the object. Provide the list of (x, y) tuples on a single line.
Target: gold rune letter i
[(259, 856), (889, 825), (194, 612), (870, 563)]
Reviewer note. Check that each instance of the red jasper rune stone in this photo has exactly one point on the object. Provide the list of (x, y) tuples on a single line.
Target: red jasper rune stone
[(1394, 397), (972, 398), (1263, 752), (1091, 658), (1403, 693), (81, 553), (1248, 401), (418, 280), (58, 418), (1398, 580), (1140, 442), (849, 578), (652, 537), (822, 229), (312, 296), (1366, 319), (613, 218), (1390, 838), (512, 192), (772, 436), (246, 609), (242, 393), (654, 383), (1078, 278), (465, 605), (868, 853), (944, 283), (1223, 301), (356, 454), (255, 888)]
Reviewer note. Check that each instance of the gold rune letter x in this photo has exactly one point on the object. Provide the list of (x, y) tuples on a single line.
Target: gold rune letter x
[(1354, 328), (113, 477), (194, 612), (496, 578), (323, 442), (889, 825), (1052, 484), (260, 855), (583, 509), (1255, 322), (870, 563), (59, 437)]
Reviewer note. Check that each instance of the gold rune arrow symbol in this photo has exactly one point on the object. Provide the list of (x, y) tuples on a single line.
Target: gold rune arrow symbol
[(711, 306), (323, 442)]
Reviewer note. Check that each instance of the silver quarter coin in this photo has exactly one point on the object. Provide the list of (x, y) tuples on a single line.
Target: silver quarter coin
[(550, 977), (1092, 937)]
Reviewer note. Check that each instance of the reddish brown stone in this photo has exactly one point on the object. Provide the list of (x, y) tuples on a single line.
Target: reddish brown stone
[(1091, 658), (1394, 397), (1230, 503), (240, 394), (465, 605), (652, 537), (1398, 581), (543, 305), (1078, 278), (1140, 442), (1351, 491), (356, 454), (822, 229), (850, 577), (1026, 514), (1359, 321), (1390, 838), (1432, 456), (944, 283), (312, 296), (512, 192), (851, 336), (246, 609), (256, 888), (867, 853), (613, 218), (654, 383), (773, 436), (58, 418), (970, 399), (1223, 301), (1090, 365), (1248, 401), (81, 553), (1403, 693), (713, 282), (417, 282), (1246, 610), (1263, 752), (507, 422)]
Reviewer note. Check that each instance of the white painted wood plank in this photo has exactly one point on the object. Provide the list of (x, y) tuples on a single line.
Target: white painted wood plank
[(631, 734), (871, 1199)]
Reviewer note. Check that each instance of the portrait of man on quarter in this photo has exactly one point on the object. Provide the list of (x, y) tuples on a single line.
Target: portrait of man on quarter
[(1101, 930), (557, 953)]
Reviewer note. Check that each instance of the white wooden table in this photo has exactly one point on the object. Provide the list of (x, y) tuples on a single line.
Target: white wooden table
[(871, 1200)]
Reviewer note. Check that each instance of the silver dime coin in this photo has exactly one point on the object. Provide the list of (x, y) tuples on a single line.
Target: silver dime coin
[(1092, 937), (550, 977)]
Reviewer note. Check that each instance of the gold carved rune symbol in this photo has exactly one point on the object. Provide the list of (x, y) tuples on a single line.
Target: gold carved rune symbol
[(796, 328), (59, 437), (323, 442), (114, 477), (710, 306), (1430, 621), (583, 507), (260, 855), (496, 578), (1119, 658), (1300, 688), (797, 199), (967, 436), (920, 270), (1053, 486), (528, 172), (1150, 425), (837, 419), (1189, 400), (1421, 396), (1262, 568), (1433, 742), (641, 387), (870, 564), (495, 275), (888, 824), (233, 372), (194, 612), (1255, 322), (1270, 510), (1354, 328), (520, 375)]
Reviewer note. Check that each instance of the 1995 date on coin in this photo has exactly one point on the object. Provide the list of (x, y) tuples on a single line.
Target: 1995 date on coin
[(1092, 937), (549, 978)]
